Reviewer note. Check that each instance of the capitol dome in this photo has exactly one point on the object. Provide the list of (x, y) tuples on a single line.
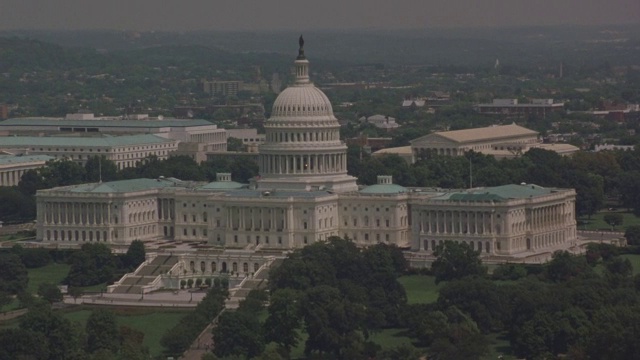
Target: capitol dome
[(301, 101), (302, 148)]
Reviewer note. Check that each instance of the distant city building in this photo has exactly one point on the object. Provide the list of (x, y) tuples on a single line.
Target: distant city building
[(501, 141), (222, 88), (381, 122), (511, 107), (12, 167), (612, 147), (276, 83), (249, 137), (86, 125), (126, 151), (4, 111)]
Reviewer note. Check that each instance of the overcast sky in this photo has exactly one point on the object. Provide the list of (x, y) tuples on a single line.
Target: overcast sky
[(305, 14)]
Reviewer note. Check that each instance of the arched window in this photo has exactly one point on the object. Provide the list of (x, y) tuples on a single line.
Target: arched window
[(213, 266), (192, 266), (202, 266), (256, 266), (234, 267), (245, 268)]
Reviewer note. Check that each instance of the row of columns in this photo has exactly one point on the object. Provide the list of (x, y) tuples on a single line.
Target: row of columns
[(303, 164), (11, 177), (288, 136), (77, 213), (548, 216), (456, 222), (77, 235), (210, 137), (166, 209), (257, 218)]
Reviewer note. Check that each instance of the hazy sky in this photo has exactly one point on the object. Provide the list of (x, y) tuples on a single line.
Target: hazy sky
[(305, 14)]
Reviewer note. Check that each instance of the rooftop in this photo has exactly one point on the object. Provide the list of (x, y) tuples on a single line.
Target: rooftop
[(497, 193), (487, 133), (123, 186), (62, 122), (23, 159), (384, 189), (104, 141)]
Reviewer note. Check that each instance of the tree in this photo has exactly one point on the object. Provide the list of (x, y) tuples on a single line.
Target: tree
[(135, 254), (565, 266), (456, 260), (93, 265), (284, 319), (16, 206), (238, 333), (13, 274), (632, 234), (333, 323), (23, 344), (64, 339), (75, 292), (613, 219), (50, 292), (234, 144), (102, 331), (99, 168)]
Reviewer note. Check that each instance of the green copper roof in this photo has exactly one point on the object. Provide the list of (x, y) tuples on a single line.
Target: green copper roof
[(60, 122), (222, 185), (23, 159), (123, 186), (383, 189), (497, 193), (103, 141)]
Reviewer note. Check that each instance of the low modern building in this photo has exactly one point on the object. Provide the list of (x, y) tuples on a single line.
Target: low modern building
[(12, 167), (381, 122), (501, 141), (194, 131), (511, 107), (125, 151)]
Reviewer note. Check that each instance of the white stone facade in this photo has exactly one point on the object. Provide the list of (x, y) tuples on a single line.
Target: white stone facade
[(304, 195)]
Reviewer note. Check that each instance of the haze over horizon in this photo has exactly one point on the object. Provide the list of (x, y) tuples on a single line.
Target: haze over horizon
[(303, 15)]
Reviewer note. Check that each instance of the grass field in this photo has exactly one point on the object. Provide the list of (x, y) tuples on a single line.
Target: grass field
[(635, 261), (52, 273), (597, 222), (421, 289), (152, 322)]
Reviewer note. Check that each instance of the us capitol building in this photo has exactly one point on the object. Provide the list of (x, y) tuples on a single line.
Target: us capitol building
[(304, 195)]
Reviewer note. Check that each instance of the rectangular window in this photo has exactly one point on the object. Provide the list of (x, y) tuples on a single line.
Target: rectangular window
[(184, 232), (304, 225), (366, 237), (235, 238), (387, 222)]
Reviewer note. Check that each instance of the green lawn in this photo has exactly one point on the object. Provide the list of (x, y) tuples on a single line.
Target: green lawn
[(421, 289), (390, 338), (597, 222), (152, 322), (52, 273), (635, 261), (498, 346)]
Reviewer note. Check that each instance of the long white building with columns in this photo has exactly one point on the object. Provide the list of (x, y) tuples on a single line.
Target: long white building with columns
[(304, 195)]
